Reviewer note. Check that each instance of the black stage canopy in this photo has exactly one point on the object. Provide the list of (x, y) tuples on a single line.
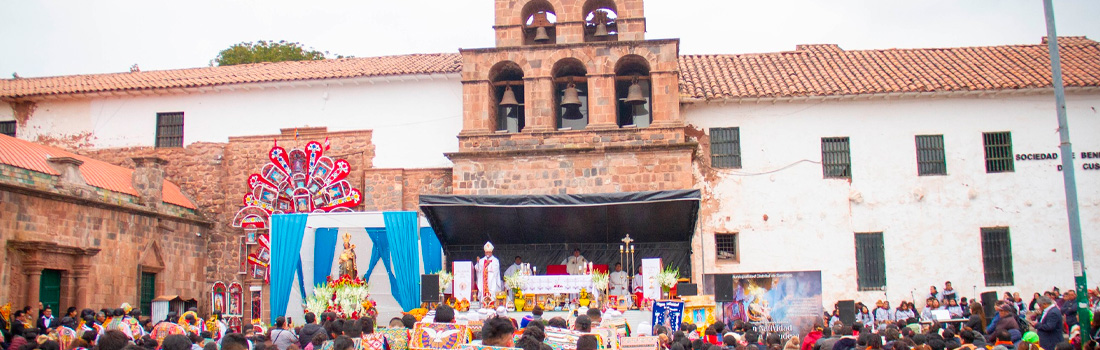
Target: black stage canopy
[(545, 228)]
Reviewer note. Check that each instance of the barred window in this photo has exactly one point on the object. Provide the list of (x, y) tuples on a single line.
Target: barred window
[(836, 160), (725, 148), (725, 246), (8, 128), (997, 256), (870, 261), (930, 155), (170, 129), (998, 152)]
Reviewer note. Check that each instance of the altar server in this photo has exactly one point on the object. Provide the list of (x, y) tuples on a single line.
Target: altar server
[(619, 281), (575, 263), (487, 272), (639, 286)]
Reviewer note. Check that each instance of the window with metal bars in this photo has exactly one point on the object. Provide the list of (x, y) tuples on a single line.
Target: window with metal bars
[(998, 152), (836, 160), (725, 246), (148, 291), (725, 148), (997, 256), (8, 128), (930, 155), (870, 261), (170, 129)]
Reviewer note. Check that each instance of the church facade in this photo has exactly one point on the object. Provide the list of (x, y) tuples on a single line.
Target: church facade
[(887, 170)]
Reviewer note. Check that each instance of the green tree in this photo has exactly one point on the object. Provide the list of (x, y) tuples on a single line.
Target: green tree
[(267, 51)]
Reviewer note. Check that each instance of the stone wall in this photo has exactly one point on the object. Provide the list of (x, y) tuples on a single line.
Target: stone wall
[(400, 189)]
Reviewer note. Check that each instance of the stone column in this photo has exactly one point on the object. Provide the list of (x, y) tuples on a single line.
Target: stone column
[(34, 282), (148, 179), (81, 269), (665, 105), (539, 104), (602, 104)]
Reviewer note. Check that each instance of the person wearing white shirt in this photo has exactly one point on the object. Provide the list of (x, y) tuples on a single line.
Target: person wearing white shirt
[(515, 267), (487, 272), (575, 263), (619, 282)]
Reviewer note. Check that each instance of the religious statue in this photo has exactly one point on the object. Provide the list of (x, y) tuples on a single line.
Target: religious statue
[(347, 258)]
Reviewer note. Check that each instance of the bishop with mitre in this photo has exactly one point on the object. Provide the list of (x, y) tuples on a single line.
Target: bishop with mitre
[(487, 273)]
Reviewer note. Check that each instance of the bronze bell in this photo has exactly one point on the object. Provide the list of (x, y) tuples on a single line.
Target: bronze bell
[(571, 97), (634, 95), (509, 98), (541, 35), (601, 30)]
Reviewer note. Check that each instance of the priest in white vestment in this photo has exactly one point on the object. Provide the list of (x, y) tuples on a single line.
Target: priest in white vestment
[(619, 282), (516, 266), (575, 263), (487, 274)]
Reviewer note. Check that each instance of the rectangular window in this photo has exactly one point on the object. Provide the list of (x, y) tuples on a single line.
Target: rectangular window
[(997, 256), (725, 246), (8, 128), (725, 148), (930, 155), (148, 291), (836, 160), (870, 261), (170, 129), (998, 152)]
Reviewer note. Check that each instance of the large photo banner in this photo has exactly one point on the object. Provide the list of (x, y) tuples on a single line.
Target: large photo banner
[(787, 303)]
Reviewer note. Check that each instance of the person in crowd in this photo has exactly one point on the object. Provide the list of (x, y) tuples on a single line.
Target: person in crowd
[(619, 282), (882, 313), (394, 323), (933, 293), (816, 333), (343, 343), (280, 336), (497, 331), (317, 342), (595, 316), (587, 342), (1033, 306), (1020, 305), (847, 340), (444, 314), (1006, 321), (582, 324), (965, 305), (535, 316), (953, 308), (19, 325), (904, 312), (977, 321), (574, 264), (1068, 306), (531, 339), (311, 328), (827, 341), (948, 292), (46, 322), (863, 315), (557, 322), (929, 304), (371, 340), (1048, 324), (752, 340), (112, 339)]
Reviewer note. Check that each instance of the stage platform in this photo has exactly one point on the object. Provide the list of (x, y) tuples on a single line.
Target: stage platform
[(633, 317)]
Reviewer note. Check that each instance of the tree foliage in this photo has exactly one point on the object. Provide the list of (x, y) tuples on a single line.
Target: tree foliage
[(267, 51)]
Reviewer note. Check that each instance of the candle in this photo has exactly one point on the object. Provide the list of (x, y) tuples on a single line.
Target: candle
[(620, 248)]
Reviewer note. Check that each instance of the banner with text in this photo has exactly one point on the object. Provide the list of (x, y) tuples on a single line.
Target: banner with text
[(784, 302), (463, 278), (650, 268)]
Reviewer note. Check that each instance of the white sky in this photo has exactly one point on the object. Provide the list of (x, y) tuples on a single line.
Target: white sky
[(61, 37)]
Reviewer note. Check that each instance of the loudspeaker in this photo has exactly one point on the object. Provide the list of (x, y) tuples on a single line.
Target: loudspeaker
[(687, 289), (429, 288), (723, 288), (847, 311), (989, 303)]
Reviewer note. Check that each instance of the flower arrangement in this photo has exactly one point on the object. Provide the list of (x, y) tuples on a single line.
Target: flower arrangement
[(445, 279), (600, 280), (516, 280), (348, 297), (668, 277)]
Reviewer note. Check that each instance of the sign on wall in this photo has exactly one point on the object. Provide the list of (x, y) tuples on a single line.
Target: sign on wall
[(783, 302)]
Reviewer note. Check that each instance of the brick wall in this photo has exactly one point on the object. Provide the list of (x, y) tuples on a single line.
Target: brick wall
[(400, 189)]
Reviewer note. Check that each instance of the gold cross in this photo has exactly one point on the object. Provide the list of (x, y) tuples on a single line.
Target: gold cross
[(627, 240)]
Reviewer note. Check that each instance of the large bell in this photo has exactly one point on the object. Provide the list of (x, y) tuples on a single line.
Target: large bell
[(601, 30), (541, 35), (634, 95), (509, 98), (571, 97)]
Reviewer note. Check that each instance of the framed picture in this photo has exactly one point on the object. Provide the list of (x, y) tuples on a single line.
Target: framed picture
[(250, 236), (529, 302)]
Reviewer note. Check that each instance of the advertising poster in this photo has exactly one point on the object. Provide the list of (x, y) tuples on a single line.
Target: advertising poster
[(463, 275), (783, 302)]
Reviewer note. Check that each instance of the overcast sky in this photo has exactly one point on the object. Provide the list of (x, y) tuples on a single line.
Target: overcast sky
[(62, 37)]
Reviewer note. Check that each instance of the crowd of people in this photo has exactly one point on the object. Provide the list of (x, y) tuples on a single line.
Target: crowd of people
[(1047, 322)]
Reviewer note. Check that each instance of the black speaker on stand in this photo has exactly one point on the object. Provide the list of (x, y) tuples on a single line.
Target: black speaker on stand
[(847, 311), (989, 303), (429, 288), (723, 288)]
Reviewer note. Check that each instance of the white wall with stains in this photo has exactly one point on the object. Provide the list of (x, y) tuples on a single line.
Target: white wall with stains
[(415, 118), (790, 218)]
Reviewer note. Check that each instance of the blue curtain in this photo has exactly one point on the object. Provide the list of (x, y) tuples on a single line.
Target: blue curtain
[(431, 250), (380, 251), (323, 251), (301, 279), (401, 231), (286, 245)]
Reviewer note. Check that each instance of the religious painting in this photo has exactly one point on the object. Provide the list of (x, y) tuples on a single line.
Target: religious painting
[(437, 336), (236, 300), (218, 295), (788, 302), (668, 313)]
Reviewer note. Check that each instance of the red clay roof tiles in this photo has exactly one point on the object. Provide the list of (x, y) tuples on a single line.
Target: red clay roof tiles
[(32, 156)]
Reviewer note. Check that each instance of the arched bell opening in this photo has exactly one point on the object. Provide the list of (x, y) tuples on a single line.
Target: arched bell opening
[(507, 86), (539, 23), (570, 94), (633, 91), (600, 21)]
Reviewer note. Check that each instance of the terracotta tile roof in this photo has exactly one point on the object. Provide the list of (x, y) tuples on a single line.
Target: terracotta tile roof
[(239, 74), (826, 70), (32, 156)]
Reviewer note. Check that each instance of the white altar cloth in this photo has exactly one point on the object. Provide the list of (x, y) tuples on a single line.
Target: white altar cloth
[(560, 284)]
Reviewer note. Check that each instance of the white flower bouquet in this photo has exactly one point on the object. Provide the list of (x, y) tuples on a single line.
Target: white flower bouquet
[(600, 280), (668, 277), (516, 280), (445, 279)]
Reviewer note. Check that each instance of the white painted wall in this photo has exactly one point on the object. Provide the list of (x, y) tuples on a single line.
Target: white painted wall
[(415, 118), (930, 223)]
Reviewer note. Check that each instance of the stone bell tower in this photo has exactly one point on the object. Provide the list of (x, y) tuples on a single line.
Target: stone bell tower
[(573, 99)]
